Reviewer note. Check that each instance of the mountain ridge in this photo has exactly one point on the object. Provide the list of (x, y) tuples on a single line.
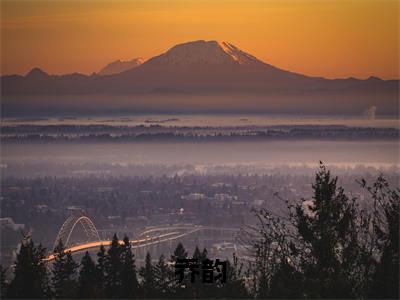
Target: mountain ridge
[(225, 45), (211, 68), (119, 66)]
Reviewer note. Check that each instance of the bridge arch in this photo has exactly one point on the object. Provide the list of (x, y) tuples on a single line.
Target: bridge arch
[(69, 225)]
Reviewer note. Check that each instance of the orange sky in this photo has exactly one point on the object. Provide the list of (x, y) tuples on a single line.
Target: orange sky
[(330, 38)]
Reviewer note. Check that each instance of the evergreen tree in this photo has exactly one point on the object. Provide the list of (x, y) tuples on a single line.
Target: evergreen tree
[(179, 289), (315, 251), (197, 253), (113, 270), (162, 275), (130, 286), (197, 288), (30, 273), (101, 271), (64, 273), (148, 278), (329, 238), (87, 282), (179, 252), (204, 254)]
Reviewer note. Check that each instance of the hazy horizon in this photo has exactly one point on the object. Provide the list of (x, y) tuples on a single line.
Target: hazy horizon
[(38, 66)]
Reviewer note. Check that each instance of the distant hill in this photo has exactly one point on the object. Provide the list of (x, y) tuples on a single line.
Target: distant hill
[(120, 66)]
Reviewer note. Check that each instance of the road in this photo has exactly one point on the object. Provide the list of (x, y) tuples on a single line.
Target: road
[(139, 243), (180, 232)]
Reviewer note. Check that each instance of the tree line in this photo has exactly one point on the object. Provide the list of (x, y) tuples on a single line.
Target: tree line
[(112, 275), (330, 246)]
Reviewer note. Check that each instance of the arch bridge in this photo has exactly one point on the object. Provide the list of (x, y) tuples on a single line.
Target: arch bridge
[(150, 237), (68, 227)]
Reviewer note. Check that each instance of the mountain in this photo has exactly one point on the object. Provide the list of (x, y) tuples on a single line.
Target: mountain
[(37, 73), (199, 71), (208, 65), (205, 52), (120, 66)]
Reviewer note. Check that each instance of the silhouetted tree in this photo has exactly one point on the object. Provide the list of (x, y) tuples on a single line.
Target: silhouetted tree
[(197, 253), (179, 252), (162, 274), (179, 289), (130, 286), (148, 276), (327, 230), (324, 247), (204, 254), (64, 273), (113, 270), (101, 271), (385, 279), (198, 290), (268, 240), (314, 251), (87, 281), (30, 273)]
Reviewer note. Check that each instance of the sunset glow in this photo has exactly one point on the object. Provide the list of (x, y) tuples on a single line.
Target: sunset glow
[(320, 38)]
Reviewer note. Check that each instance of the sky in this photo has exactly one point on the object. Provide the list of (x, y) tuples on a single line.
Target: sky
[(329, 38)]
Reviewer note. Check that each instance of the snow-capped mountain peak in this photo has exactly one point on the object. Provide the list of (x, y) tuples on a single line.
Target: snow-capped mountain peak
[(204, 52), (236, 54)]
